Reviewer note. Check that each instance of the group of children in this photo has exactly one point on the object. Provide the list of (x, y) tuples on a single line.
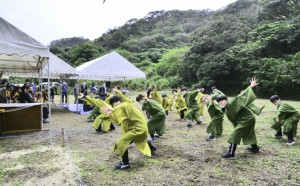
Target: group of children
[(240, 111)]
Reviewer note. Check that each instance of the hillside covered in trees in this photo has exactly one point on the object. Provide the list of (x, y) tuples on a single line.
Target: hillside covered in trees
[(204, 48)]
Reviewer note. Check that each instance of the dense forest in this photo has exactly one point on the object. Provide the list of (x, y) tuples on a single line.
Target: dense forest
[(201, 48)]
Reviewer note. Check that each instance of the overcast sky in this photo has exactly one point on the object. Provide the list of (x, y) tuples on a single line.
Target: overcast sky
[(48, 20)]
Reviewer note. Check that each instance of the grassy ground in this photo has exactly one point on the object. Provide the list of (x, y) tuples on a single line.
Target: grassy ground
[(183, 156)]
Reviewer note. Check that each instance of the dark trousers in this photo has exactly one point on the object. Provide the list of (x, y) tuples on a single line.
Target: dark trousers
[(45, 112), (125, 157), (182, 114), (63, 95), (52, 97)]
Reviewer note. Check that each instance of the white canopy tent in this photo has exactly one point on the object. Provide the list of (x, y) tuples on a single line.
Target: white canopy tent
[(58, 69), (110, 67), (19, 52)]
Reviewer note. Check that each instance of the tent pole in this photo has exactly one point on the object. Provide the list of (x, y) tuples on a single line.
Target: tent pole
[(48, 92), (60, 81), (40, 70), (77, 91)]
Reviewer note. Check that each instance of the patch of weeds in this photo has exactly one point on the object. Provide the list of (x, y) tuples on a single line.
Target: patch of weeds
[(8, 162), (1, 176), (245, 181), (17, 183), (101, 168), (2, 149), (37, 157), (21, 175), (84, 172)]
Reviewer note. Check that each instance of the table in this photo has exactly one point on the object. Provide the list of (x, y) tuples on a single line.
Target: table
[(20, 117)]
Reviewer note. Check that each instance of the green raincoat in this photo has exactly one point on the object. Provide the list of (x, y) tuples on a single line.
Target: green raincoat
[(134, 128), (215, 126), (242, 118), (192, 105), (288, 118), (179, 103), (124, 98), (101, 118), (201, 105), (156, 96), (216, 94), (157, 121), (166, 103)]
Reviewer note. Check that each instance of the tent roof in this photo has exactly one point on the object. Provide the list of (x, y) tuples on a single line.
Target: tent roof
[(18, 51), (110, 67), (58, 69)]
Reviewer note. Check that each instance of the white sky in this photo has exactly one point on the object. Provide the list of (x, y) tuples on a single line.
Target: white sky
[(48, 20)]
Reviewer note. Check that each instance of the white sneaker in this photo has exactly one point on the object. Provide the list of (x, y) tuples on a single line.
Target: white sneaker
[(151, 139), (156, 135), (291, 143)]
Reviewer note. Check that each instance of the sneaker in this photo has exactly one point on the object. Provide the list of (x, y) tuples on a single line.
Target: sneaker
[(278, 136), (151, 139), (251, 149), (188, 125), (211, 138), (112, 127), (290, 143), (157, 135), (227, 156), (199, 123), (98, 131), (121, 166), (153, 149), (45, 121)]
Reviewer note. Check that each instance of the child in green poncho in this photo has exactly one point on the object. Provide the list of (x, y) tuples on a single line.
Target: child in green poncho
[(156, 123), (102, 123), (215, 127), (215, 93), (134, 129), (286, 116), (192, 113), (242, 118)]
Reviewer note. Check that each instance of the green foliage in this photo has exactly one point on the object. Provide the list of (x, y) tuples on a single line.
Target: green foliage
[(84, 52), (172, 63), (78, 54), (279, 10), (207, 59), (68, 42), (204, 48)]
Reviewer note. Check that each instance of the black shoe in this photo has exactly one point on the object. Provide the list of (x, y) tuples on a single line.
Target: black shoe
[(252, 149), (188, 125), (227, 156), (98, 131), (153, 149), (278, 136), (211, 138), (122, 166), (199, 123)]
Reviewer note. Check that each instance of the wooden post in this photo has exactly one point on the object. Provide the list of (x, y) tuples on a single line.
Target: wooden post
[(63, 137)]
